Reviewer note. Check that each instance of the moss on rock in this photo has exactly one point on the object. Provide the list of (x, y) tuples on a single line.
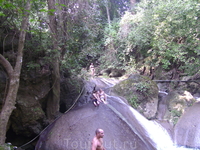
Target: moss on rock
[(141, 93), (177, 104)]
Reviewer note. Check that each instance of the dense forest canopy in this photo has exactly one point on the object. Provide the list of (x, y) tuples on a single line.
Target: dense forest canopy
[(157, 33), (122, 32)]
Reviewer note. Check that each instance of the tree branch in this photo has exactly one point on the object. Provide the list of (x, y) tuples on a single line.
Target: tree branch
[(6, 64)]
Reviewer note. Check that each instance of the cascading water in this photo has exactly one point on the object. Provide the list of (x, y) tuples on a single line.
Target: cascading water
[(150, 132)]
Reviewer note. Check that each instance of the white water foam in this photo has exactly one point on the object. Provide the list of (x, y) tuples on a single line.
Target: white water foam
[(157, 135)]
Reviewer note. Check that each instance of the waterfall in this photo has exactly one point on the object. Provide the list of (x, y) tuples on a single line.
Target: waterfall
[(150, 132), (162, 92)]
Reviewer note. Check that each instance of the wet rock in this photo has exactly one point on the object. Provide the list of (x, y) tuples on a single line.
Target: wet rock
[(168, 126), (162, 106), (187, 130)]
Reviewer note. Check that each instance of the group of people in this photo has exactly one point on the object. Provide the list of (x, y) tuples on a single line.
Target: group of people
[(99, 96)]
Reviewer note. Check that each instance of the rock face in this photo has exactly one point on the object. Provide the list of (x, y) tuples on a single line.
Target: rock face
[(75, 129), (141, 93), (192, 85), (113, 72), (173, 105), (29, 118), (187, 130)]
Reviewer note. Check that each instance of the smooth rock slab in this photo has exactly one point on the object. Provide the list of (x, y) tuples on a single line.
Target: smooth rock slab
[(75, 130), (187, 130)]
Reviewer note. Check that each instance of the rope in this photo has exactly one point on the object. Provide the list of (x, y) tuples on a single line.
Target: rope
[(53, 121), (176, 80)]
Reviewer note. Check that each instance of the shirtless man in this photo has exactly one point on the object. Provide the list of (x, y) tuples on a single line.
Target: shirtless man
[(97, 142), (92, 69), (96, 99)]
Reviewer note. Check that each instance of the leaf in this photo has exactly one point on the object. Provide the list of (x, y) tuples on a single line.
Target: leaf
[(52, 10), (2, 14), (43, 10), (32, 20)]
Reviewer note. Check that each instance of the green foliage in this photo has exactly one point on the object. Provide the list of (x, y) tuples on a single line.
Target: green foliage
[(134, 101), (175, 39), (176, 115), (32, 65), (143, 87), (165, 31)]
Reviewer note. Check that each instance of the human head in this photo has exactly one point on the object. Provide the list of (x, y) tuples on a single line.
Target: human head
[(99, 133)]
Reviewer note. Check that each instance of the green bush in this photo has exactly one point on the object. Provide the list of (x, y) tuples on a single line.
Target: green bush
[(165, 31), (143, 88), (134, 101)]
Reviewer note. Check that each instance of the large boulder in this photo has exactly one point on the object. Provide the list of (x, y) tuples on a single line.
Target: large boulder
[(112, 72), (192, 84), (70, 89), (75, 129), (141, 93), (187, 130), (28, 119), (173, 105), (95, 84)]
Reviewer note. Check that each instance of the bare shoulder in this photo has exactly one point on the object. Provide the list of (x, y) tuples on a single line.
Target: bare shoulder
[(94, 144)]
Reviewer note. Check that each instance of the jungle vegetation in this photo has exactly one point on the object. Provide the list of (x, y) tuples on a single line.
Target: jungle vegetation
[(67, 35)]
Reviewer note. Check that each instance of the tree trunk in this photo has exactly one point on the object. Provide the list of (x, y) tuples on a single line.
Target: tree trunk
[(54, 99), (108, 14), (14, 78)]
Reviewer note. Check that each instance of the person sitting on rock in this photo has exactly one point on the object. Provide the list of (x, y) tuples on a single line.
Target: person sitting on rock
[(102, 96), (96, 99)]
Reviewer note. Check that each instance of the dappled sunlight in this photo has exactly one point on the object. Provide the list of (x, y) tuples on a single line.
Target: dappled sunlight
[(187, 96)]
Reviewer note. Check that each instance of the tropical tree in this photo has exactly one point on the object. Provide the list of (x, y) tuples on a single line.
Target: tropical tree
[(13, 74), (165, 32)]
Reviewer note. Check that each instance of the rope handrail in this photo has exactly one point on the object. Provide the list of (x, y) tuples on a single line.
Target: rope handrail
[(176, 80)]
